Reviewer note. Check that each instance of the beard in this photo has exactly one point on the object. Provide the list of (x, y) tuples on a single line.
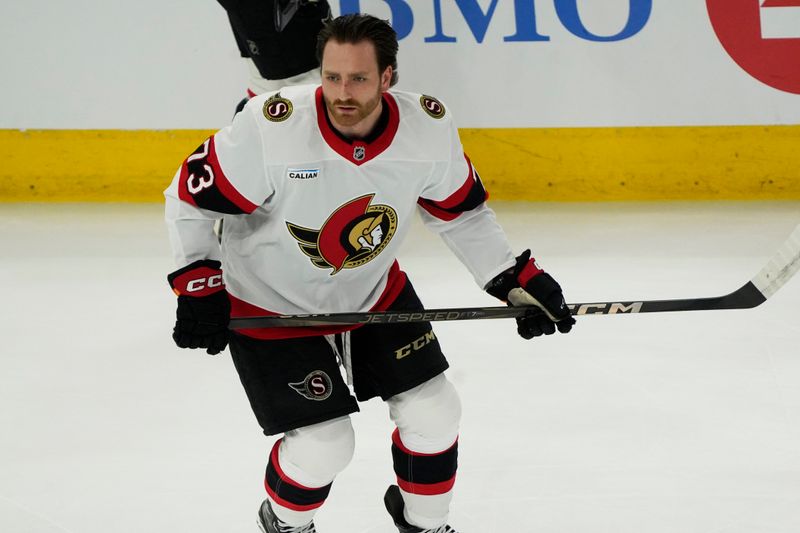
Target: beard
[(360, 110)]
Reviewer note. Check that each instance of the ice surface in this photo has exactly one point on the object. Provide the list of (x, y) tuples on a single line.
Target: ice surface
[(684, 422)]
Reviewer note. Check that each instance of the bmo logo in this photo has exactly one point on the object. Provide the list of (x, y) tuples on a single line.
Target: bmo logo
[(780, 19), (526, 26), (762, 37)]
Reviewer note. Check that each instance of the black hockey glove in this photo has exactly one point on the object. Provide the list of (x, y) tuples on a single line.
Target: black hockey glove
[(203, 307), (527, 284)]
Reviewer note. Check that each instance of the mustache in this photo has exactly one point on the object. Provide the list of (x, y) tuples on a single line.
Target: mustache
[(350, 103)]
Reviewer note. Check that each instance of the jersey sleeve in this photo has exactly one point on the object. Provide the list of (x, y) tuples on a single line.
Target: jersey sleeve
[(455, 186), (478, 241), (454, 206), (226, 173), (224, 176), (190, 229)]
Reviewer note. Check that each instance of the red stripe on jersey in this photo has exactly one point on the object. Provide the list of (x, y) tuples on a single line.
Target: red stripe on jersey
[(461, 194), (441, 214), (239, 308), (348, 150), (204, 184), (448, 209)]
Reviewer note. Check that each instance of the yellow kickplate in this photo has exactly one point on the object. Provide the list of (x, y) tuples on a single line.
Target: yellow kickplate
[(92, 165), (548, 164)]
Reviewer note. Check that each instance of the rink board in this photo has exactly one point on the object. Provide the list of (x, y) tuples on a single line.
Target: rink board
[(547, 164)]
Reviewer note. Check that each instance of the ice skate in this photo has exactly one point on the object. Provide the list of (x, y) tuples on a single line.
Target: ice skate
[(395, 505), (269, 523)]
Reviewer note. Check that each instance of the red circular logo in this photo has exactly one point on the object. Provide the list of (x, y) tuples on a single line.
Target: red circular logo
[(763, 37)]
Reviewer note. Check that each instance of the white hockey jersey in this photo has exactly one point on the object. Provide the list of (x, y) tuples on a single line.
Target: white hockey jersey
[(312, 221)]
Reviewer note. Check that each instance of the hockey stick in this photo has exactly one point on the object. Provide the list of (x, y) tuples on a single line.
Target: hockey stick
[(778, 270)]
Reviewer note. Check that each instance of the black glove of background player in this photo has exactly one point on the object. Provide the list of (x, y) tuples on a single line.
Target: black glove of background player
[(527, 284), (203, 306)]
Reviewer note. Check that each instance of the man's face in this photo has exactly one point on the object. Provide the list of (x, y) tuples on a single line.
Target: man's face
[(351, 84)]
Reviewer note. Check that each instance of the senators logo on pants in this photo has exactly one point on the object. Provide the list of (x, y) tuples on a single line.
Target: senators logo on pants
[(353, 235), (316, 386)]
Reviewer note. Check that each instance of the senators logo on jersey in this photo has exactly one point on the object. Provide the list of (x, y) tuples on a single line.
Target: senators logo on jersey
[(353, 235), (277, 108), (432, 106)]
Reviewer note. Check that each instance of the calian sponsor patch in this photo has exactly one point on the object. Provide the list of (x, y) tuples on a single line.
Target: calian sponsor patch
[(302, 173)]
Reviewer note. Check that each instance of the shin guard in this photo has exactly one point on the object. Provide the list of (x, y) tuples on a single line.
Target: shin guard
[(288, 493), (424, 473)]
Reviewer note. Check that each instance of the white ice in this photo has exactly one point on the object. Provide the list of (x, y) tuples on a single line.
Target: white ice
[(664, 423)]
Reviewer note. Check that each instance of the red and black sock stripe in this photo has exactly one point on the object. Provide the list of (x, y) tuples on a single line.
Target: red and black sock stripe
[(424, 473), (289, 493)]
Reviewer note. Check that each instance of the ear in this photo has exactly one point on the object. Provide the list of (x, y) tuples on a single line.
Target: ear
[(386, 78)]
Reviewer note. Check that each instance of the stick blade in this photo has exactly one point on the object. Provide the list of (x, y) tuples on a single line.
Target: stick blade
[(781, 267)]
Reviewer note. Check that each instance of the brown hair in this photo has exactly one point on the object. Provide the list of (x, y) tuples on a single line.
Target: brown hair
[(357, 27)]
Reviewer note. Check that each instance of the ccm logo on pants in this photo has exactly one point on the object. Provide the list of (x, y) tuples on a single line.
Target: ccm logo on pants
[(416, 345)]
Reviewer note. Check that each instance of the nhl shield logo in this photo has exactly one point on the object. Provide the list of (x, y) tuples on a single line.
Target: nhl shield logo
[(359, 153), (316, 386)]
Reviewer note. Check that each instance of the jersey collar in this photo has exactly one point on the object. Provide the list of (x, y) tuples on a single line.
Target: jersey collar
[(358, 151)]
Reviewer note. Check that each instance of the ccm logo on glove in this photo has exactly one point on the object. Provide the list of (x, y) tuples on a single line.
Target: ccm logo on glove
[(211, 282), (204, 309), (198, 281)]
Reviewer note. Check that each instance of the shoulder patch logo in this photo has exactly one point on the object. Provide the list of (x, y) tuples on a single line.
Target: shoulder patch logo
[(353, 235), (277, 108), (432, 106)]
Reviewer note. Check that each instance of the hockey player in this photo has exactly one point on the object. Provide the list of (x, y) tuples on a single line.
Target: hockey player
[(278, 38), (318, 186)]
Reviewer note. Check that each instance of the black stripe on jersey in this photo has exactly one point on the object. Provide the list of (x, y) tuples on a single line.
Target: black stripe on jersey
[(213, 200), (475, 196), (470, 195), (204, 184), (449, 210)]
